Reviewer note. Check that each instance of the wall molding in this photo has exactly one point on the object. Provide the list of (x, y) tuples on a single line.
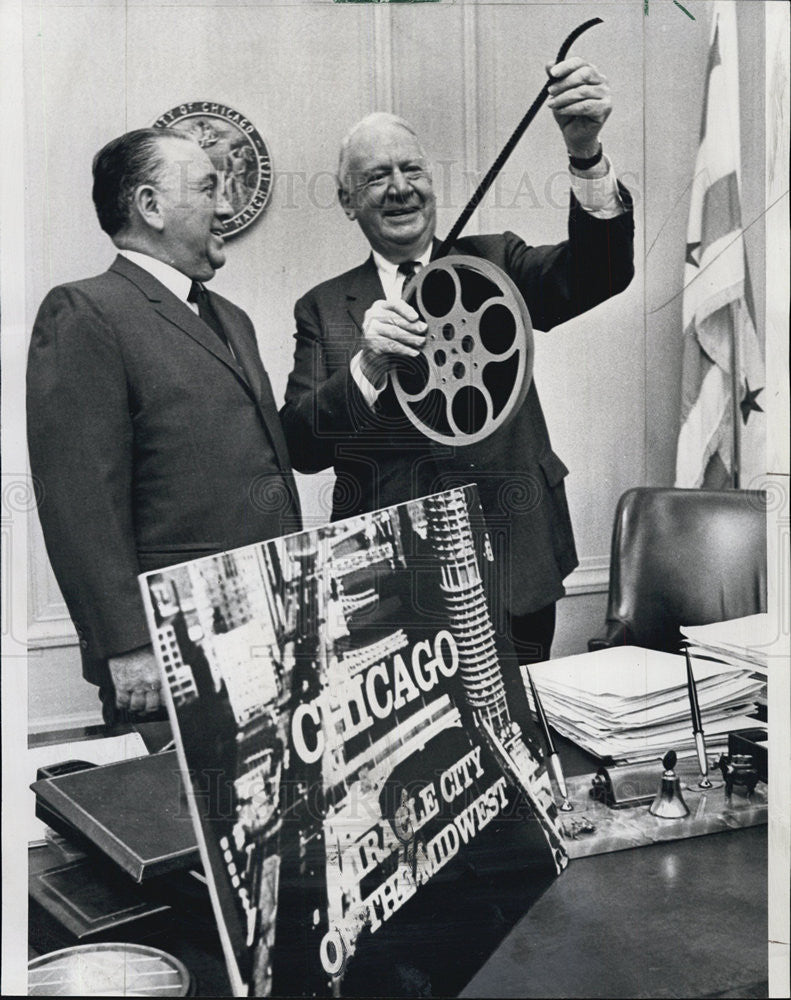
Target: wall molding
[(48, 618), (470, 98), (73, 720), (592, 576), (383, 57), (51, 632)]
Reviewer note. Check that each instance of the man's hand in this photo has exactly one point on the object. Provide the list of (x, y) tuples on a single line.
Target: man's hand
[(390, 329), (136, 679), (581, 103)]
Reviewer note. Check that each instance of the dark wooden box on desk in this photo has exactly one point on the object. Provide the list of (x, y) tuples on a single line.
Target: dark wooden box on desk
[(86, 900), (90, 900), (119, 825), (134, 811), (78, 895)]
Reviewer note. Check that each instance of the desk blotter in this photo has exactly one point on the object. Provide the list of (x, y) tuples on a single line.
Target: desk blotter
[(710, 811)]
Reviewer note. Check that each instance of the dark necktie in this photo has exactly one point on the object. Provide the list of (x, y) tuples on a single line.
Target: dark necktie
[(200, 297), (409, 269)]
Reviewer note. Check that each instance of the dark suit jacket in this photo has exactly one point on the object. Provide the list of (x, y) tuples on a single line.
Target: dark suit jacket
[(380, 459), (150, 443)]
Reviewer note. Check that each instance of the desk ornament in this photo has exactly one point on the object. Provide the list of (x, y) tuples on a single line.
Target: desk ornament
[(751, 743), (738, 770), (669, 802), (623, 786)]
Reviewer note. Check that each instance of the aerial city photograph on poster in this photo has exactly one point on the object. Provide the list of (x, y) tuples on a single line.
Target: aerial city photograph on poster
[(341, 713)]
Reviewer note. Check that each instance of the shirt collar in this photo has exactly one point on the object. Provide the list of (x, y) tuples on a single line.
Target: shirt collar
[(387, 269), (175, 281)]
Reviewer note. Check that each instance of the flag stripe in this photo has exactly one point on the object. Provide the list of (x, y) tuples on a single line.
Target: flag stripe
[(695, 365), (714, 60), (701, 433), (718, 280), (721, 211), (717, 475), (748, 289), (715, 336)]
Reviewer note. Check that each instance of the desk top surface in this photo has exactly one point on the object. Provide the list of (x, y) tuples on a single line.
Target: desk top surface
[(680, 919)]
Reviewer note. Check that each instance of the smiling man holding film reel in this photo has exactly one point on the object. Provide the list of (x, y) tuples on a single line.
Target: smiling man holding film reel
[(345, 397)]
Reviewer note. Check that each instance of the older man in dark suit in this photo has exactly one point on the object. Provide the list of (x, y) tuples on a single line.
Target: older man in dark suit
[(340, 409), (152, 427)]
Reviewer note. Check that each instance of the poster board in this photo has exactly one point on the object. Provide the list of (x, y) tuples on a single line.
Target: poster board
[(342, 725)]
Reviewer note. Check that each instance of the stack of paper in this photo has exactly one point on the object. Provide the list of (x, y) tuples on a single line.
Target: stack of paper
[(632, 704), (742, 642)]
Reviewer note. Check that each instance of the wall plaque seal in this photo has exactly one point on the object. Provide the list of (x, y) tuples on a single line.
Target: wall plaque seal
[(239, 154)]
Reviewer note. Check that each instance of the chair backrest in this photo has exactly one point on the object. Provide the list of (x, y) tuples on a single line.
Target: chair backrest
[(684, 557)]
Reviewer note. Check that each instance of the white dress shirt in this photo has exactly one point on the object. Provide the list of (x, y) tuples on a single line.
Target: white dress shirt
[(392, 279), (393, 285), (175, 281), (598, 195)]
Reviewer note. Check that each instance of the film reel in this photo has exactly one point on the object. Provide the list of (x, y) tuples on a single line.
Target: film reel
[(475, 369)]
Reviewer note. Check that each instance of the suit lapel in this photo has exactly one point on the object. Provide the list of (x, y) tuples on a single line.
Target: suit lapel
[(436, 244), (249, 358), (248, 361), (176, 312), (183, 317), (246, 366), (364, 289)]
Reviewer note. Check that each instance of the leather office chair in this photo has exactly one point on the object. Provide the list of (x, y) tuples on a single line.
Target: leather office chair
[(683, 557)]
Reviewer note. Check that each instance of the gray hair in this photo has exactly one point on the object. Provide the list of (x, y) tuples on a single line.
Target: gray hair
[(370, 121)]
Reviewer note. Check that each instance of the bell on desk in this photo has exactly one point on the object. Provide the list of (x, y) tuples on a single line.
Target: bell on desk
[(669, 802)]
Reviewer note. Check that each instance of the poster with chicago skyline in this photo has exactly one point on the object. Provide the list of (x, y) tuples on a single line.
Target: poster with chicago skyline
[(343, 729)]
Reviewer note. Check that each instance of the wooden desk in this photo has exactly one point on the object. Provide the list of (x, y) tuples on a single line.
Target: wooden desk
[(680, 919)]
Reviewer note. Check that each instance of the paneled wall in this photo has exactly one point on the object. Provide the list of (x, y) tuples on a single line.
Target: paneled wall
[(464, 74)]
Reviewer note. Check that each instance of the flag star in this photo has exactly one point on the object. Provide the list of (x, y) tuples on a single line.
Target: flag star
[(748, 403), (691, 248)]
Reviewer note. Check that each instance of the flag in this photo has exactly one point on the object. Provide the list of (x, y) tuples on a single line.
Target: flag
[(722, 440)]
